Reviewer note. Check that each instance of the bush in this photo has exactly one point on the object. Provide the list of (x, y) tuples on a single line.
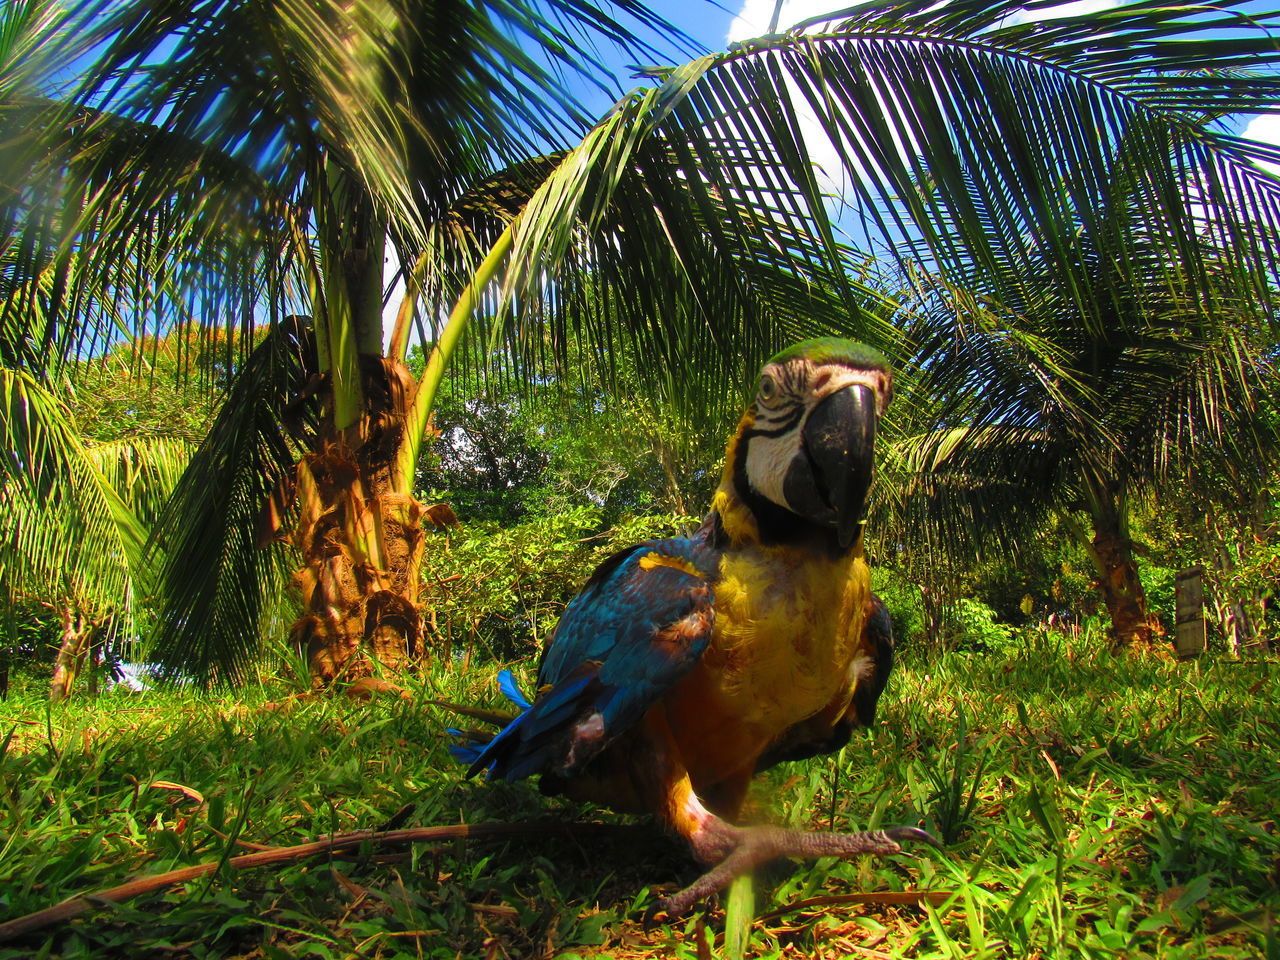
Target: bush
[(902, 598), (500, 590), (973, 626)]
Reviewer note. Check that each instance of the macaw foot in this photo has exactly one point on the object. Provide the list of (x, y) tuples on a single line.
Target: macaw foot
[(753, 846)]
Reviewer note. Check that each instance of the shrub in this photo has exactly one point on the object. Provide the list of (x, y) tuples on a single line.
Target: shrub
[(501, 590)]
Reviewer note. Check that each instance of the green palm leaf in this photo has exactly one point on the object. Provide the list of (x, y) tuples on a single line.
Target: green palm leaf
[(75, 518), (976, 148), (219, 566)]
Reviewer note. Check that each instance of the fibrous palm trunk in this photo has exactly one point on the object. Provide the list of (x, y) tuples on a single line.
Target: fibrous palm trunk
[(1133, 627), (360, 538), (77, 635)]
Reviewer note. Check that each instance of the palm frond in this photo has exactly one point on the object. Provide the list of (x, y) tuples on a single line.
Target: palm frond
[(691, 215), (971, 491), (184, 172), (216, 571), (631, 233), (75, 519)]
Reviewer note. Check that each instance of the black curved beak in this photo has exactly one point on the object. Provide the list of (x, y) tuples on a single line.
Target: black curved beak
[(839, 438)]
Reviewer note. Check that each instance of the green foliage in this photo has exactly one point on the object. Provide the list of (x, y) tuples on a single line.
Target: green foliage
[(152, 387), (967, 623), (1160, 583), (517, 445), (1100, 807), (951, 772), (903, 601), (29, 635), (75, 520), (1224, 523), (976, 628), (1050, 565), (500, 590)]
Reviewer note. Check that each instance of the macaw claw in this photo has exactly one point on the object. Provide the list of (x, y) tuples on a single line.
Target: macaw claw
[(757, 845)]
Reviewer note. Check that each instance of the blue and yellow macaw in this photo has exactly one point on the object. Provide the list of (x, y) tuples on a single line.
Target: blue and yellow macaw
[(686, 665)]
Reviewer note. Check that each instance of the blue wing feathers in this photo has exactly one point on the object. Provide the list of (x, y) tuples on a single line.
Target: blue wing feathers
[(633, 631)]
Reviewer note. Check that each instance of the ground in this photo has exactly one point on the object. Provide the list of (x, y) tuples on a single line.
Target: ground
[(1091, 806)]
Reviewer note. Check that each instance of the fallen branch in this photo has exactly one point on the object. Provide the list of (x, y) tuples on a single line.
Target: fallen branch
[(272, 856), (886, 898)]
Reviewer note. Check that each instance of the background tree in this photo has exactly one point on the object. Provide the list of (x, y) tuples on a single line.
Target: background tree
[(1074, 388), (512, 446), (83, 558), (253, 170)]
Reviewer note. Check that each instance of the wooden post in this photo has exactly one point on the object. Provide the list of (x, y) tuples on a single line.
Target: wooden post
[(1189, 633)]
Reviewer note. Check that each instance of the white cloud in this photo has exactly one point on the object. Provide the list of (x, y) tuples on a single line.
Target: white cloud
[(1265, 128), (1078, 8), (753, 19)]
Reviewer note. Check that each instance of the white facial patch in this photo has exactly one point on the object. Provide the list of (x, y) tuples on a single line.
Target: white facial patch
[(877, 381), (768, 459)]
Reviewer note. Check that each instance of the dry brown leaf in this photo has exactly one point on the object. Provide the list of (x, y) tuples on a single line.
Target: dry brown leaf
[(190, 793)]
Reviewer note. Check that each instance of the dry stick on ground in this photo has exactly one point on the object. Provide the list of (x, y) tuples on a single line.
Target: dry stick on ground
[(73, 907), (885, 898)]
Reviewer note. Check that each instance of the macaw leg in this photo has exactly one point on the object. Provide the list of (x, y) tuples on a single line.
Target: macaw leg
[(752, 846), (732, 851)]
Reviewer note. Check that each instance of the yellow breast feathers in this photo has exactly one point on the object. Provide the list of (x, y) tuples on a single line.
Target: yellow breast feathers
[(788, 631)]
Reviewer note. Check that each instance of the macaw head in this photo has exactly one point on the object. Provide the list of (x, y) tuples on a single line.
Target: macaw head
[(805, 445)]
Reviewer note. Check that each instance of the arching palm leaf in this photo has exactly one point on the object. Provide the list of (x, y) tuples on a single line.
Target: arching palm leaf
[(76, 520), (221, 566)]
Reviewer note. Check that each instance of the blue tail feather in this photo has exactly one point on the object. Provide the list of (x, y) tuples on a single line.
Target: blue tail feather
[(511, 690), (472, 749), (521, 749), (467, 752)]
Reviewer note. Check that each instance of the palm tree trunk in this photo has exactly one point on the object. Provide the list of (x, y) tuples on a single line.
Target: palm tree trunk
[(77, 633), (1133, 627), (1121, 589), (360, 528), (361, 539)]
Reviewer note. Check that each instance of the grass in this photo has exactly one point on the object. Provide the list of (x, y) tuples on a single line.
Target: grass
[(1093, 808)]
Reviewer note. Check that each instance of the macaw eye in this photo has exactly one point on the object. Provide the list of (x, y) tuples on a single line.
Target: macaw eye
[(768, 388)]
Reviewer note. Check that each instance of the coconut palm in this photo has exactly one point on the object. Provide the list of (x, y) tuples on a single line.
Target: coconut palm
[(1075, 387), (75, 533), (239, 161), (248, 161)]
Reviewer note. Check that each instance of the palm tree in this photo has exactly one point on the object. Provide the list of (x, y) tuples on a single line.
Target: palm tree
[(1075, 387), (74, 515), (239, 162), (249, 161), (83, 559)]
